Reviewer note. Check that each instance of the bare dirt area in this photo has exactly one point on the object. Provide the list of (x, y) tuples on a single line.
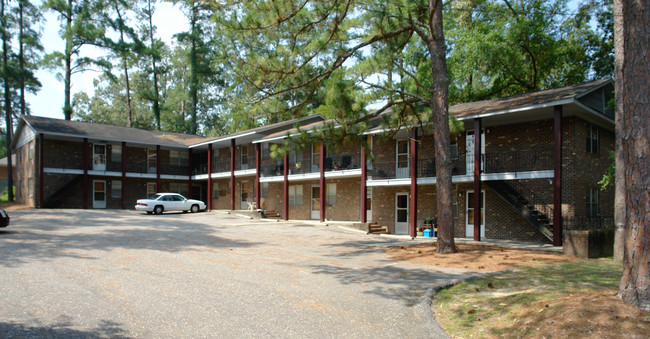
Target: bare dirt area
[(544, 295), (14, 206), (474, 257)]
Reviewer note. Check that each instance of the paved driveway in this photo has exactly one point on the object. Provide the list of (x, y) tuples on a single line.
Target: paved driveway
[(73, 273)]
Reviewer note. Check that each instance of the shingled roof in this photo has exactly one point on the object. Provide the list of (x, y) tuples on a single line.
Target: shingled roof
[(79, 129), (526, 100)]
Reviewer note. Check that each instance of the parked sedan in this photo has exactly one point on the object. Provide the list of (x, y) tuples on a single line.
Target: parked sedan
[(4, 218), (166, 202)]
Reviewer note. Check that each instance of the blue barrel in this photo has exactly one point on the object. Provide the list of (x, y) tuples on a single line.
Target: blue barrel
[(428, 233)]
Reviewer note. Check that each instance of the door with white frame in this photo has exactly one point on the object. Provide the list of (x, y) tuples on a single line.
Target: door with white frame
[(401, 213), (244, 195), (402, 159), (315, 202), (469, 152), (99, 194), (470, 209), (99, 157), (369, 204)]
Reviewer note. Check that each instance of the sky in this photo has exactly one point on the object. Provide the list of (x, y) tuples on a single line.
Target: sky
[(48, 102)]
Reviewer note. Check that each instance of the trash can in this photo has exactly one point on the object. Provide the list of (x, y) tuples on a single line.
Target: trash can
[(428, 233)]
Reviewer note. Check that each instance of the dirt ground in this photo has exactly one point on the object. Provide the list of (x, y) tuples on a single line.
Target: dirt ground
[(594, 314), (474, 257)]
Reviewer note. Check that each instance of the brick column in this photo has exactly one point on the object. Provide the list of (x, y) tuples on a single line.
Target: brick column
[(232, 174), (364, 189), (189, 164), (258, 160), (413, 163), (158, 188), (85, 190), (323, 187), (209, 177), (477, 179), (286, 187), (41, 172), (557, 177), (123, 194)]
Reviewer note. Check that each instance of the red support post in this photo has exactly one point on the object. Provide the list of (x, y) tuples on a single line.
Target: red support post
[(258, 160), (189, 185), (413, 163), (364, 188), (323, 187), (232, 174), (85, 190), (123, 194), (286, 187), (158, 188), (41, 172), (209, 177), (557, 177), (477, 179)]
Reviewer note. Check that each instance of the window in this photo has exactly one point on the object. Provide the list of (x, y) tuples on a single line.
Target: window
[(592, 202), (331, 195), (215, 190), (31, 151), (30, 184), (178, 158), (116, 188), (152, 161), (454, 148), (179, 188), (295, 195), (368, 161), (116, 153), (265, 151), (592, 139), (264, 187), (315, 156), (151, 189), (244, 157)]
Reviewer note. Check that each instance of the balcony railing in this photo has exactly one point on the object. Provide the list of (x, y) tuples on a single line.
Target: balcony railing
[(343, 162), (519, 161), (587, 223), (63, 163)]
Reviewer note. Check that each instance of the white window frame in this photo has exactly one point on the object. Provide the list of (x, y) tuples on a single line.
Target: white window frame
[(331, 194), (116, 153), (116, 188), (295, 195), (264, 188)]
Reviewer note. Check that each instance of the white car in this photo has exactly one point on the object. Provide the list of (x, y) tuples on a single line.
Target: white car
[(166, 202)]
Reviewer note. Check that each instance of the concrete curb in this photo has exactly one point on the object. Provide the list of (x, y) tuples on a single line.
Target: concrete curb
[(424, 307)]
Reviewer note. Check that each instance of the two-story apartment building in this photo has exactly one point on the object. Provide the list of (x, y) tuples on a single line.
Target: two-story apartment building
[(535, 160)]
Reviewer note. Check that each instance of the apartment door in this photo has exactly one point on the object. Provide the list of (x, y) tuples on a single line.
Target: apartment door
[(244, 195), (315, 202), (402, 159), (369, 204), (99, 194), (402, 213), (244, 157), (470, 209), (469, 152), (99, 157)]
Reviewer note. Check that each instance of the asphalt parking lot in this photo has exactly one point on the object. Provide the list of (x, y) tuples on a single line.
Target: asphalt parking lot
[(109, 273)]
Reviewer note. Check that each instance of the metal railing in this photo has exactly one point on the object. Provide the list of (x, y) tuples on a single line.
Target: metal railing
[(518, 161), (343, 162), (541, 203), (587, 223)]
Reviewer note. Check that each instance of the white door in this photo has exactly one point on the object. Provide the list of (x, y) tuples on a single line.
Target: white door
[(99, 157), (244, 195), (369, 204), (469, 152), (469, 214), (315, 202), (402, 213), (99, 194), (402, 159)]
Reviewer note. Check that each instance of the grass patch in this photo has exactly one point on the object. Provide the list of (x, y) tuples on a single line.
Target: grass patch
[(518, 303), (4, 197)]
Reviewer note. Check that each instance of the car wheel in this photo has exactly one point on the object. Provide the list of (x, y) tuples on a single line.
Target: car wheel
[(195, 208), (158, 209)]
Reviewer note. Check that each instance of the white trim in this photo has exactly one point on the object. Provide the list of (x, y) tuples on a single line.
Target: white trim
[(108, 140), (223, 139), (483, 215), (518, 109), (547, 174)]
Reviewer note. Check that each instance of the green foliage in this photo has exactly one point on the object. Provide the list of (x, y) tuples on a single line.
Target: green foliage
[(610, 175)]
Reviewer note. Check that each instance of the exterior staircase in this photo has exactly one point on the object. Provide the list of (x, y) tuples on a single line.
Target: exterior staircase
[(49, 202), (271, 215), (374, 228), (528, 208)]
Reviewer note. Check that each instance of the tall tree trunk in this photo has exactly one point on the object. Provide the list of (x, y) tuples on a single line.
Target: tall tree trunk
[(67, 106), (125, 65), (21, 58), (632, 42), (156, 97), (440, 106), (7, 98)]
